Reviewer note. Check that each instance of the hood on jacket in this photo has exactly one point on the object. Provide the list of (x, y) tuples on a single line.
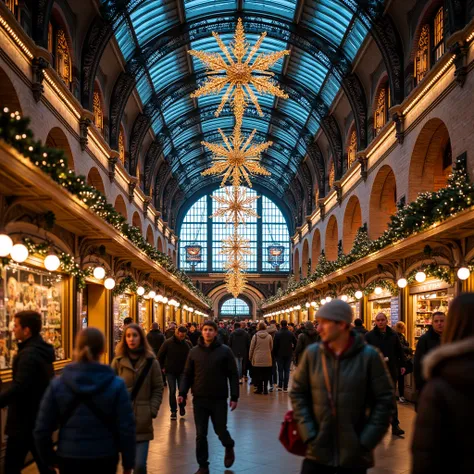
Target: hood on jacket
[(358, 343), (40, 347), (462, 351), (271, 329), (87, 377), (263, 334)]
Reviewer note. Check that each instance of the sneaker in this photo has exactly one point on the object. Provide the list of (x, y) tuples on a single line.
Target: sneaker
[(229, 457), (174, 417), (203, 470), (271, 389), (285, 390), (279, 389), (397, 431), (182, 410), (402, 400)]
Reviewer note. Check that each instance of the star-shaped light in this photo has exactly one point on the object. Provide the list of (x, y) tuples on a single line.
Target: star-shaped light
[(235, 283), (235, 246), (235, 206), (238, 73), (237, 158)]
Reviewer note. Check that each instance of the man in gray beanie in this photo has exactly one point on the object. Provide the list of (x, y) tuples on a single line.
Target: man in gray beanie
[(342, 396)]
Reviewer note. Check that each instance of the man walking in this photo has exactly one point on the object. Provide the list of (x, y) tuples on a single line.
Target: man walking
[(155, 338), (169, 333), (307, 337), (388, 342), (32, 371), (429, 341), (194, 334), (172, 358), (283, 346), (342, 397), (239, 342), (210, 370)]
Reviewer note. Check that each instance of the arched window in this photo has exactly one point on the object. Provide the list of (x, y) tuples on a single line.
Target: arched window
[(235, 307), (422, 60), (331, 174), (200, 239), (352, 148), (382, 104), (98, 110), (121, 146), (438, 34), (58, 46)]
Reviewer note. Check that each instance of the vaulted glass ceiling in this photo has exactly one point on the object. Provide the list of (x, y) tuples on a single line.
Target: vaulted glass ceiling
[(154, 36)]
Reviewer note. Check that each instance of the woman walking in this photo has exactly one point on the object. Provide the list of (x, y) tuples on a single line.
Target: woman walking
[(444, 438), (136, 363), (261, 357), (401, 331), (92, 409)]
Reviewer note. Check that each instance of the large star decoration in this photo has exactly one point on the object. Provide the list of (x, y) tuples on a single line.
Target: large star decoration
[(235, 206), (239, 74), (236, 158), (235, 247)]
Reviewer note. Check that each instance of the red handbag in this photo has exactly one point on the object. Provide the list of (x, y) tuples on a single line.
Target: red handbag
[(289, 436)]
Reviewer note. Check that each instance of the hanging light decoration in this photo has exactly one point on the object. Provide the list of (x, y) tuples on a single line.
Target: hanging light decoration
[(378, 290), (109, 283), (165, 300), (99, 273), (52, 262), (19, 253), (402, 283), (140, 291), (359, 294), (420, 277), (464, 273), (151, 294), (344, 297), (6, 244)]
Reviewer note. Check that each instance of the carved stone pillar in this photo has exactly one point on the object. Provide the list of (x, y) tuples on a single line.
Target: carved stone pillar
[(39, 64), (131, 188)]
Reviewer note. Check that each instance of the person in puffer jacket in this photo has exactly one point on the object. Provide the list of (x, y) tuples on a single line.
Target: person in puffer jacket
[(92, 409)]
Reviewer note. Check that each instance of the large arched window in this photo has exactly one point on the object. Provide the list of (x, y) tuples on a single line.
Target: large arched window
[(201, 237), (235, 307)]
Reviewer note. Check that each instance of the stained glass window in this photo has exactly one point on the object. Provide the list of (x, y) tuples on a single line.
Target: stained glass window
[(121, 146), (63, 57), (438, 34), (97, 109), (235, 307), (381, 108), (352, 149), (422, 60)]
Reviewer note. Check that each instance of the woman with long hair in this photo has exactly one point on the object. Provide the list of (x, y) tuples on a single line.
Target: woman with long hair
[(136, 363), (401, 331), (443, 438), (261, 357), (91, 407)]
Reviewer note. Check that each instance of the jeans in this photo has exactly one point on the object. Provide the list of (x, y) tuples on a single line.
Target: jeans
[(17, 449), (80, 466), (312, 467), (141, 457), (173, 382), (284, 364), (240, 366), (217, 411), (273, 375), (401, 385)]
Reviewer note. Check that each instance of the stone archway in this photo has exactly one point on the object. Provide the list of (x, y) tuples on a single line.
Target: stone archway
[(305, 256), (315, 249), (57, 139), (94, 179), (352, 223), (8, 96), (120, 206), (136, 221), (332, 239)]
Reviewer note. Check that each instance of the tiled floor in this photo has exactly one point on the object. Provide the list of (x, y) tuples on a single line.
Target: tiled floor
[(255, 426)]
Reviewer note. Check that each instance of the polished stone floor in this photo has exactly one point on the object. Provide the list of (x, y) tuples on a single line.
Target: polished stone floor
[(255, 426)]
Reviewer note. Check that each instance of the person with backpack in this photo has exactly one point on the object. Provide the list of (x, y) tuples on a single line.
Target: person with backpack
[(92, 409), (136, 363)]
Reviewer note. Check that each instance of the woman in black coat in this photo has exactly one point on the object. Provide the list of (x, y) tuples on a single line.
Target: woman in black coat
[(444, 437)]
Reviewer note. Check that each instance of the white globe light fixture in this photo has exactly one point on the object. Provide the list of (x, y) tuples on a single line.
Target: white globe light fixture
[(19, 253), (323, 301), (402, 283), (420, 277), (464, 273), (191, 310), (314, 304), (159, 298), (52, 262), (152, 294), (307, 304), (109, 283), (378, 290), (6, 245), (165, 300), (344, 297), (99, 273), (140, 291), (359, 294), (328, 299)]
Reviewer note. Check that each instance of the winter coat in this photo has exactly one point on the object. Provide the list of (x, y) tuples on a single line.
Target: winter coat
[(261, 350), (239, 342), (429, 341), (443, 437), (223, 336), (305, 339), (389, 344), (272, 330), (156, 339), (405, 345), (363, 398), (360, 329), (284, 343), (32, 371), (209, 372), (169, 333), (83, 435), (194, 337), (173, 355), (148, 399)]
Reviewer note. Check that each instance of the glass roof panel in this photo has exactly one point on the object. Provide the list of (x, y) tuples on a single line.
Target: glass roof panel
[(144, 88), (125, 40), (169, 69), (282, 8), (304, 69), (177, 109), (313, 124), (330, 89), (354, 39), (196, 8), (294, 110)]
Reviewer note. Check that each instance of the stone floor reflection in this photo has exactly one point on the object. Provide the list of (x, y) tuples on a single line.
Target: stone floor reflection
[(254, 426)]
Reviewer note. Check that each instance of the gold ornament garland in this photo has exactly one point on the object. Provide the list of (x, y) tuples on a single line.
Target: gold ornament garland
[(237, 158)]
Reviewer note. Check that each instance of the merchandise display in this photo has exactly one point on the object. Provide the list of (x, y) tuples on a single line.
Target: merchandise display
[(121, 310)]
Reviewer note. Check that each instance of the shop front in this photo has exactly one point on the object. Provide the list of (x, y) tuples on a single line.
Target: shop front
[(382, 301), (122, 307), (144, 316)]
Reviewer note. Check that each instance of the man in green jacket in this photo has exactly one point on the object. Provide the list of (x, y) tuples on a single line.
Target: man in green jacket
[(342, 396)]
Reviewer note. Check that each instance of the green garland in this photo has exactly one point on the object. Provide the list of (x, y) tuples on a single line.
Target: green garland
[(442, 273), (126, 284), (428, 208), (14, 131)]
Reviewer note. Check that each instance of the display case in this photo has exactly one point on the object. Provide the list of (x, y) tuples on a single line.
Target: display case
[(26, 288), (122, 308), (143, 314)]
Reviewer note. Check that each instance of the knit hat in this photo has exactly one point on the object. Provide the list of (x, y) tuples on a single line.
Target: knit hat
[(308, 325), (336, 310)]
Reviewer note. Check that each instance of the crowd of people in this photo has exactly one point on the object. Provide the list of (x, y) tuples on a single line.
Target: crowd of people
[(342, 390)]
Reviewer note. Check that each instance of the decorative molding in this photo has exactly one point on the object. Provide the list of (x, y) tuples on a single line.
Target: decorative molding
[(84, 125), (331, 129), (357, 98), (146, 205), (399, 120), (39, 64), (41, 15), (131, 188), (362, 159), (112, 162), (338, 189), (461, 52), (140, 127), (322, 208)]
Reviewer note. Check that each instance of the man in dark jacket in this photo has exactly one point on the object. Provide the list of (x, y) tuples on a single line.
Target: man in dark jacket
[(155, 338), (429, 341), (194, 334), (359, 326), (342, 397), (307, 337), (387, 341), (32, 371), (169, 333), (239, 342), (283, 347), (210, 370), (222, 334), (172, 358)]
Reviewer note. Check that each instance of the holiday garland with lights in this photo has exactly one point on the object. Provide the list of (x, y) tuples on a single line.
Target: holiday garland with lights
[(14, 131), (427, 209)]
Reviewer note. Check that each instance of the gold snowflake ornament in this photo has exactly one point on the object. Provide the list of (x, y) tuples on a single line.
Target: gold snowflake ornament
[(235, 247), (235, 70), (235, 283), (236, 158), (235, 206)]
